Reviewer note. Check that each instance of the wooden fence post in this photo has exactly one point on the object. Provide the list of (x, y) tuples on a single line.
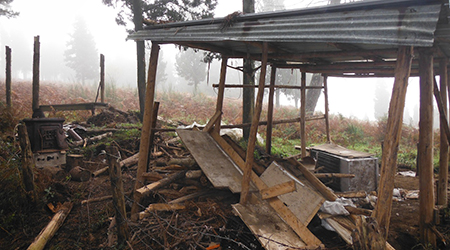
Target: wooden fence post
[(27, 163), (36, 59), (8, 77), (115, 174), (102, 78), (442, 198)]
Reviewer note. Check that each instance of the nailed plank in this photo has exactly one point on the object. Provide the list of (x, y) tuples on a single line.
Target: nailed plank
[(277, 190), (303, 202), (271, 231), (217, 166)]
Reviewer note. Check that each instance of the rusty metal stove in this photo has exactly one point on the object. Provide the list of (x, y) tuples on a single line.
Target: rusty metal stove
[(48, 141)]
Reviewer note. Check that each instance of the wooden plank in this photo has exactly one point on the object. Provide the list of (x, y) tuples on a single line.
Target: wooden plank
[(221, 92), (303, 114), (280, 189), (341, 151), (327, 117), (273, 74), (272, 232), (286, 214), (324, 190), (303, 202), (383, 208), (212, 121), (217, 166)]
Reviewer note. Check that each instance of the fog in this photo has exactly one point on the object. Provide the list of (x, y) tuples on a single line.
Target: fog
[(53, 21)]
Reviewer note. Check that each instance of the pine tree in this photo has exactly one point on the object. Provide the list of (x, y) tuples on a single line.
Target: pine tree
[(5, 9), (190, 66), (81, 54)]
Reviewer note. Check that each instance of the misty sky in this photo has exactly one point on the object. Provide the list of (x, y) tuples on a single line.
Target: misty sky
[(53, 21)]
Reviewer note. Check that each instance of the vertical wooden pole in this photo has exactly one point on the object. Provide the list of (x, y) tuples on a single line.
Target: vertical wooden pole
[(102, 78), (221, 92), (144, 147), (115, 175), (303, 114), (249, 158), (443, 148), (273, 74), (383, 208), (327, 117), (27, 163), (36, 59), (426, 181), (152, 132), (8, 76)]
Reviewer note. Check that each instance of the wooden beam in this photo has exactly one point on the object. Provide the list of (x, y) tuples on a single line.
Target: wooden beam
[(28, 164), (145, 143), (73, 106), (221, 93), (383, 208), (327, 116), (442, 194), (36, 59), (277, 190), (425, 152), (273, 74), (444, 128), (303, 114), (231, 86), (254, 129), (214, 119)]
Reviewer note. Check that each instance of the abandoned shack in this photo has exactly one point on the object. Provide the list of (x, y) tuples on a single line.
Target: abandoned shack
[(395, 38)]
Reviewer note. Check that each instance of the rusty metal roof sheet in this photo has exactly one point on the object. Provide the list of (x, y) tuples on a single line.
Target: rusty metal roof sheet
[(360, 26)]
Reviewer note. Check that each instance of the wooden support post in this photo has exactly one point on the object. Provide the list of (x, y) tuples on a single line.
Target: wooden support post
[(383, 208), (327, 117), (303, 115), (8, 76), (425, 152), (270, 110), (254, 128), (221, 93), (28, 164), (102, 78), (115, 175), (36, 59), (445, 129), (144, 148), (442, 196)]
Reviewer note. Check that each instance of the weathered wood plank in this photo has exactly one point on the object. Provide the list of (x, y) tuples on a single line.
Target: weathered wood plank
[(277, 190), (303, 202), (272, 232)]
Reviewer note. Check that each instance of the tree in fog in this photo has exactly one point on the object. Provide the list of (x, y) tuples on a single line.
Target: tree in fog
[(81, 54), (156, 10), (381, 100), (5, 10), (190, 66)]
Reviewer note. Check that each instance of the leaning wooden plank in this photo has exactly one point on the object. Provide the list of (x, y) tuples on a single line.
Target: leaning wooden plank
[(160, 207), (271, 231), (52, 227), (299, 228), (326, 192), (213, 120), (274, 191), (125, 163), (217, 166), (303, 202)]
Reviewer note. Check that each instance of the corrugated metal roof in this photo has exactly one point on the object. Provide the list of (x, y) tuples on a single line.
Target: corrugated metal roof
[(362, 26)]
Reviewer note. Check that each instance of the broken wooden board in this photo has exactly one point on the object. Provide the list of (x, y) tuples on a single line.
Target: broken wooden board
[(303, 202), (215, 163), (272, 232)]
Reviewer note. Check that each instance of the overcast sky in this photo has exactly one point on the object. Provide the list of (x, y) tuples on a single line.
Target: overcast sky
[(53, 21)]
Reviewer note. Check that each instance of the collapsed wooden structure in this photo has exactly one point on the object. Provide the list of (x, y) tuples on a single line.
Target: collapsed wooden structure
[(397, 38)]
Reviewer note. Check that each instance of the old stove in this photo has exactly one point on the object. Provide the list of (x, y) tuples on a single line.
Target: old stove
[(48, 141)]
